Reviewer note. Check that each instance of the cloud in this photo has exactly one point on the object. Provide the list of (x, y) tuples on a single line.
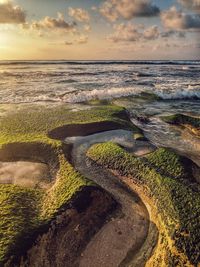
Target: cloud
[(11, 14), (87, 28), (127, 9), (178, 20), (151, 33), (125, 33), (49, 26), (82, 39), (171, 33), (132, 33), (79, 14), (191, 4), (49, 23), (180, 45), (94, 8), (109, 11), (128, 32), (68, 43)]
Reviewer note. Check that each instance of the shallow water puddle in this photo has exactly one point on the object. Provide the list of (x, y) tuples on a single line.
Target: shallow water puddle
[(121, 137), (164, 135), (29, 174)]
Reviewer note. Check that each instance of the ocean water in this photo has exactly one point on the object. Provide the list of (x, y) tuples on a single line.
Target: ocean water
[(176, 83), (73, 81)]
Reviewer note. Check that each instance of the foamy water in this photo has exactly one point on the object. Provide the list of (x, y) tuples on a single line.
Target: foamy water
[(72, 82)]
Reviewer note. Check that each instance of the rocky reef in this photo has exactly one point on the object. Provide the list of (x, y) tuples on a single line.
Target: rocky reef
[(29, 210), (166, 183), (58, 215)]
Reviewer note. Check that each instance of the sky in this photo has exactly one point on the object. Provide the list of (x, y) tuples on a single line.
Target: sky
[(99, 29)]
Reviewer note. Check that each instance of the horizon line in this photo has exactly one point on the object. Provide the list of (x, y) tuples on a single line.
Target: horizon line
[(100, 60)]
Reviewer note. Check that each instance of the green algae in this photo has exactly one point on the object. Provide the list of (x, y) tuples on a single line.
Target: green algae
[(149, 96), (177, 203), (31, 125), (19, 214), (139, 137), (180, 119), (25, 135), (67, 184), (169, 163), (24, 211), (186, 121)]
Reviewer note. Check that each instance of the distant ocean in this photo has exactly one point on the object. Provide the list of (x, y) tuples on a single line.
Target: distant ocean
[(78, 81)]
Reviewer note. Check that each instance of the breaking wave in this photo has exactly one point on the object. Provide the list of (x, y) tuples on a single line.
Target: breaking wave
[(78, 96), (100, 94), (81, 81)]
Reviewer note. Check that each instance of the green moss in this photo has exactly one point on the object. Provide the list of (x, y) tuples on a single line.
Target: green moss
[(68, 183), (149, 96), (177, 203), (168, 162), (191, 123), (25, 135), (24, 211), (97, 102), (41, 122), (180, 119), (139, 137), (33, 126), (19, 213)]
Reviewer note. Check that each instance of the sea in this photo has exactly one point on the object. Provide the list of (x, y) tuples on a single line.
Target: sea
[(78, 81), (176, 85)]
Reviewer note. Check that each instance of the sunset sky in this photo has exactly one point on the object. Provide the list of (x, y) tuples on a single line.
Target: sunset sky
[(99, 29)]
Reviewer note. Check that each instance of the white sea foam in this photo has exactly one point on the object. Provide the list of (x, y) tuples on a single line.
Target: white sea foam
[(114, 93), (97, 94), (179, 93), (78, 82), (102, 94)]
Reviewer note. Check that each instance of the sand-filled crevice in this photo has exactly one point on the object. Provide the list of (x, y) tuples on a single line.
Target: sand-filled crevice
[(130, 236), (69, 233)]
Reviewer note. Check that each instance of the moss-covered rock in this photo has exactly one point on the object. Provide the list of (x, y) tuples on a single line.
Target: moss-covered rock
[(139, 137), (27, 125), (171, 164), (98, 102), (19, 212), (68, 183), (189, 122), (24, 211), (177, 203), (27, 135), (149, 96)]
